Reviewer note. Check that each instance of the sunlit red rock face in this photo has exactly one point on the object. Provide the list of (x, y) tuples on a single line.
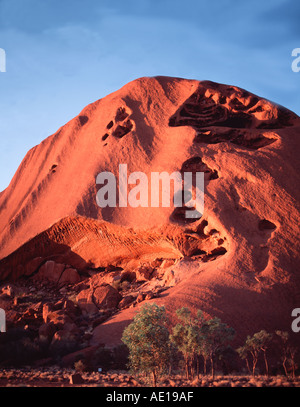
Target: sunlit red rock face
[(244, 249)]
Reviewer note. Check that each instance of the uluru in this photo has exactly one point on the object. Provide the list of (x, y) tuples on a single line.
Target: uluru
[(239, 260)]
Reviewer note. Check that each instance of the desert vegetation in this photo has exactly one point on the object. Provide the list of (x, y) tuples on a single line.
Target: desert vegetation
[(48, 332), (156, 348)]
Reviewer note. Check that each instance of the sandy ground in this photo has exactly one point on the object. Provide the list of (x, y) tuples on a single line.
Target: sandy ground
[(56, 377)]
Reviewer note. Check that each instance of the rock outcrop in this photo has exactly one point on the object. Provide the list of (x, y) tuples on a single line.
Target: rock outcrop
[(239, 260)]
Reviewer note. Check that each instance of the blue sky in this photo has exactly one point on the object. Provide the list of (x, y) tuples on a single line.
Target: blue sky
[(63, 54)]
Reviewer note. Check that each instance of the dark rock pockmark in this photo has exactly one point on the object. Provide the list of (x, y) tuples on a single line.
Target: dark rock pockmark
[(196, 164), (53, 168), (243, 138), (121, 114), (179, 215), (193, 165), (205, 245), (120, 126), (265, 224), (216, 123), (83, 120), (122, 129), (218, 251)]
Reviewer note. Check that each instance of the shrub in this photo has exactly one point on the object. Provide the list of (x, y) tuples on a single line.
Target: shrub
[(147, 339)]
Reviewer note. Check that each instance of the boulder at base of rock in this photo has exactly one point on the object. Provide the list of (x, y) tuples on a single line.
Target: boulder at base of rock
[(33, 265), (69, 276), (106, 296), (71, 309), (50, 271), (59, 318), (85, 301), (126, 301), (65, 340), (143, 273), (46, 332)]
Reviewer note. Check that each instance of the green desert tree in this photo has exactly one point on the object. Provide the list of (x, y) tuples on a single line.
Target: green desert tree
[(263, 339), (215, 336), (293, 351), (202, 348), (254, 345), (288, 352), (186, 336), (203, 351), (147, 339), (243, 353), (283, 338)]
